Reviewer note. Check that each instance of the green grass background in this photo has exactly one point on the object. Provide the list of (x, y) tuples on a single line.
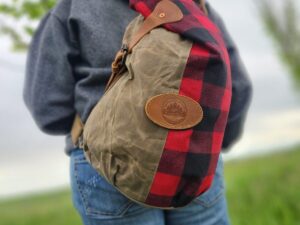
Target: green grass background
[(261, 191)]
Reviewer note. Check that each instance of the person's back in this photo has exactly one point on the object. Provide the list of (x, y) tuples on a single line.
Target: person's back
[(69, 64)]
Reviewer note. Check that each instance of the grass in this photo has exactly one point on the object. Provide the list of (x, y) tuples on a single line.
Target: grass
[(45, 209), (265, 190), (260, 191)]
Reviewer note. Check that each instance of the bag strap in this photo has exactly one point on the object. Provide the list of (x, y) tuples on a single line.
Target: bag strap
[(165, 12), (76, 131)]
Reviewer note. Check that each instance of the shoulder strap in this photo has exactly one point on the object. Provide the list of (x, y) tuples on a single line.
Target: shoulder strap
[(164, 12)]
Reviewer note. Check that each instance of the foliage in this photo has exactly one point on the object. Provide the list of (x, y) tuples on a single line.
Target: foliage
[(283, 26), (260, 191), (23, 10)]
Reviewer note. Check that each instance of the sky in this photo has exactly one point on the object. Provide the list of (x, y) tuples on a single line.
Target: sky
[(31, 161)]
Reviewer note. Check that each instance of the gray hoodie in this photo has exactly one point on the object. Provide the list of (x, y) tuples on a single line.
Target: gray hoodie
[(69, 63)]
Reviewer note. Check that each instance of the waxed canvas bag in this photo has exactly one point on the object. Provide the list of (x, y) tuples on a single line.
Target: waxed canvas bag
[(156, 133)]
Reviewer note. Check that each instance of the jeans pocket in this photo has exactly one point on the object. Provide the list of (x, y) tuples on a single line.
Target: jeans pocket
[(98, 197), (216, 191)]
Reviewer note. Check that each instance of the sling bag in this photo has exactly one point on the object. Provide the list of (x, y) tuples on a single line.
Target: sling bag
[(156, 133)]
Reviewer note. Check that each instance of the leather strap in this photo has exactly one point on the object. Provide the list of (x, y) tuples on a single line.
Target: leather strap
[(76, 130), (164, 12), (116, 70)]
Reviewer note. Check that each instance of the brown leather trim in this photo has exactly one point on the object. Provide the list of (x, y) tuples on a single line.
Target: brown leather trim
[(174, 111), (113, 79), (116, 69), (164, 12), (76, 130)]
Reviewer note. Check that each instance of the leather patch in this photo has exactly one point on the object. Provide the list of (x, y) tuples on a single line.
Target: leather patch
[(174, 111)]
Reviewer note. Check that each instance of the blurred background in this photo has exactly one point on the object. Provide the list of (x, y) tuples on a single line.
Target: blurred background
[(262, 170)]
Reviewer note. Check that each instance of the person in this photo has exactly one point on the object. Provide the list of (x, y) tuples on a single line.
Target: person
[(68, 65)]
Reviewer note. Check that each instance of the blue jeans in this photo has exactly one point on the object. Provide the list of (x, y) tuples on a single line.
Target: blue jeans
[(98, 202)]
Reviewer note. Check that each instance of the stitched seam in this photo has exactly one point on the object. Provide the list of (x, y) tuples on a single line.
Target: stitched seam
[(119, 214), (80, 190), (91, 212), (207, 205)]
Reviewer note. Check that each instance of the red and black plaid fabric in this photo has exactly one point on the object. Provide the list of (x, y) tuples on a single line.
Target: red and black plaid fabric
[(189, 159)]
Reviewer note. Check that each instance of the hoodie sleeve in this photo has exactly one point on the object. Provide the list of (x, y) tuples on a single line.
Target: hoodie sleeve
[(49, 83), (241, 86)]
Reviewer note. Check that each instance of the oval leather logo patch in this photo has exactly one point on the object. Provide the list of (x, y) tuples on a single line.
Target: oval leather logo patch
[(174, 111)]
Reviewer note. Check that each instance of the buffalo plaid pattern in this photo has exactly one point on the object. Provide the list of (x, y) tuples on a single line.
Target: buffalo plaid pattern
[(189, 158)]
